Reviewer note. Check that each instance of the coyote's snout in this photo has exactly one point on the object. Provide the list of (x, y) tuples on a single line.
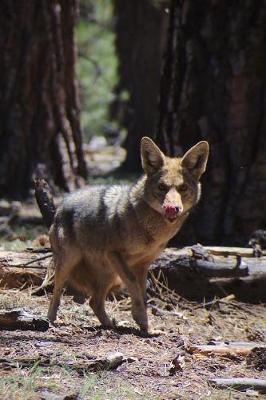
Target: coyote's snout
[(104, 235)]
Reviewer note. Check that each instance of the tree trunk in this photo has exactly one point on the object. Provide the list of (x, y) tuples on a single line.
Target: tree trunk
[(140, 41), (39, 110), (213, 88)]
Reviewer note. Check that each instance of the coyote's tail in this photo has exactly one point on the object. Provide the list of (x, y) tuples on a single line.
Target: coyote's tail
[(44, 198), (45, 201)]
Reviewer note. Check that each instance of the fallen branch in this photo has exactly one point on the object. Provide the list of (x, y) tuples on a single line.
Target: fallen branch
[(110, 362), (39, 250), (37, 260), (226, 349), (22, 320), (232, 251), (239, 384), (209, 304)]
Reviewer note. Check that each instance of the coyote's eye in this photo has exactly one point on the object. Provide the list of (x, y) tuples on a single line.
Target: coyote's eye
[(163, 187), (184, 188)]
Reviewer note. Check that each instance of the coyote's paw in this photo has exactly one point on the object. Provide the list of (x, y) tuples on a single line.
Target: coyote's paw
[(109, 324), (151, 332), (140, 317)]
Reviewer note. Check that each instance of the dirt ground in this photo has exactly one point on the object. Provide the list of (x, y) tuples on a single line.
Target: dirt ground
[(148, 371)]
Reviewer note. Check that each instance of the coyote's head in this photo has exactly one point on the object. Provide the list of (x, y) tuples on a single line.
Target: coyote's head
[(172, 185)]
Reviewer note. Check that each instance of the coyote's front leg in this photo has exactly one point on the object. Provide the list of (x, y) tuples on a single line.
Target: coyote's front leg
[(135, 289), (97, 301)]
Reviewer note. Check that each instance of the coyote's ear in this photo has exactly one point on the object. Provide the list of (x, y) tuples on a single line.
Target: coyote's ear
[(151, 156), (196, 158)]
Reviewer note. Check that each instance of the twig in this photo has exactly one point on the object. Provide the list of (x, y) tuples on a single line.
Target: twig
[(160, 283), (39, 250), (23, 266), (224, 300), (37, 259)]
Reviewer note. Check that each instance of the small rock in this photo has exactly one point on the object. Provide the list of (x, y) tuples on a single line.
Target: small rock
[(178, 364), (114, 360)]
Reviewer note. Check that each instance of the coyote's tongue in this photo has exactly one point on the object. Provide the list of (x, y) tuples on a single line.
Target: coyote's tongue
[(170, 211)]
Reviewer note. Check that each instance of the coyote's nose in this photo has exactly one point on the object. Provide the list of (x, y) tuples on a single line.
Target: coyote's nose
[(172, 211)]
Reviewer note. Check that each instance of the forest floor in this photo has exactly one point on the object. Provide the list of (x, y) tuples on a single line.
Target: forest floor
[(53, 365)]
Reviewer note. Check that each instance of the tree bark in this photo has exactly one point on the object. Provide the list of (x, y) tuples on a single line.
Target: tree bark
[(214, 88), (39, 110), (140, 41)]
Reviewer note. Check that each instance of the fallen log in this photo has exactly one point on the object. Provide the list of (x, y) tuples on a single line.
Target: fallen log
[(22, 320), (197, 276), (211, 265), (25, 268), (241, 384), (195, 272)]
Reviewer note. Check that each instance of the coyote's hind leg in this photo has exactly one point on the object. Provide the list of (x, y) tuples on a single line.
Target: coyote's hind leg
[(64, 265)]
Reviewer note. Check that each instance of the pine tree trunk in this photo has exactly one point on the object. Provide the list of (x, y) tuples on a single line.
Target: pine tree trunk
[(39, 110), (213, 88), (140, 41)]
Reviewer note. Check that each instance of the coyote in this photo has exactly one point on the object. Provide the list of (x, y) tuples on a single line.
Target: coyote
[(102, 237)]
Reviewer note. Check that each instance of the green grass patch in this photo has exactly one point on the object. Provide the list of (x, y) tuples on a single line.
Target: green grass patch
[(29, 384)]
